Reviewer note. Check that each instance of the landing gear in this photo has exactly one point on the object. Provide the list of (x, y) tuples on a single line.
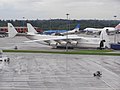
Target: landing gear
[(63, 47)]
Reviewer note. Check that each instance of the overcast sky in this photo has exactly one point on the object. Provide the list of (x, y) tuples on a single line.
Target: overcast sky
[(57, 9)]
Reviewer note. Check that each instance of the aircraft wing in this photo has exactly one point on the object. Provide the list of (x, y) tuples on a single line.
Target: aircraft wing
[(64, 38)]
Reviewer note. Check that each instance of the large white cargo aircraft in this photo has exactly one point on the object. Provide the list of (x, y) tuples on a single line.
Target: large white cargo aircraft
[(62, 41), (97, 30)]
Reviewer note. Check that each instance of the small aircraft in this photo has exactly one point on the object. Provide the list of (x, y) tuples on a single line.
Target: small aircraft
[(98, 30), (61, 41)]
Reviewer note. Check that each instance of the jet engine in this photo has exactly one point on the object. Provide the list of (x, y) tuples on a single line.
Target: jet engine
[(63, 43), (53, 43), (74, 43)]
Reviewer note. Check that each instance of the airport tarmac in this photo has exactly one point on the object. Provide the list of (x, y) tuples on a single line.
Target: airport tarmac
[(38, 71), (29, 71), (10, 43)]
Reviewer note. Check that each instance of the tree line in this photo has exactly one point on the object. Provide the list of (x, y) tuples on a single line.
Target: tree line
[(61, 24)]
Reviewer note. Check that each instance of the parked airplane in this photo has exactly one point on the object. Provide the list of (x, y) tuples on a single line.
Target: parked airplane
[(62, 41), (75, 30), (62, 32), (97, 30), (53, 32), (118, 27)]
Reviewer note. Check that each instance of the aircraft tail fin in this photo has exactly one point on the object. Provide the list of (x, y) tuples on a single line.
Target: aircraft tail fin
[(31, 29), (11, 30), (76, 29), (104, 36), (118, 27)]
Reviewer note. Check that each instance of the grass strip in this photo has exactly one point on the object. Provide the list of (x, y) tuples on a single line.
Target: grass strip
[(82, 52)]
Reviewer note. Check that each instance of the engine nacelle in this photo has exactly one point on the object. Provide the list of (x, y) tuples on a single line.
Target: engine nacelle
[(53, 43), (74, 43), (63, 43)]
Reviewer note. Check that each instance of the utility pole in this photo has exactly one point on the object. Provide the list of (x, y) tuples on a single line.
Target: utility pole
[(50, 25), (23, 24), (23, 21), (67, 33), (115, 36)]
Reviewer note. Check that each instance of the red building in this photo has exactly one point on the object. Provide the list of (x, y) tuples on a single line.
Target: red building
[(19, 29)]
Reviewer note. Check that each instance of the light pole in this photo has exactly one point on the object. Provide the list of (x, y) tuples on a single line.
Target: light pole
[(67, 33), (23, 21), (23, 24), (67, 41), (50, 24), (115, 37)]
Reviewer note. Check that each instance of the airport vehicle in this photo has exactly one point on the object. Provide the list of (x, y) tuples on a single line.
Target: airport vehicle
[(98, 73), (62, 41), (3, 59), (115, 46), (97, 30), (2, 36)]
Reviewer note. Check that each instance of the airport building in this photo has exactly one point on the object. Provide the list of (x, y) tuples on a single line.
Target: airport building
[(4, 30), (19, 29)]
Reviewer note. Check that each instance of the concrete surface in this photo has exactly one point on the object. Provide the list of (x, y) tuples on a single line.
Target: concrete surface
[(28, 71)]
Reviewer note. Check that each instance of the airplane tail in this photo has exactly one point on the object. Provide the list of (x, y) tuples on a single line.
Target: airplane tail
[(31, 29), (118, 27), (104, 36), (75, 30), (77, 27), (11, 30)]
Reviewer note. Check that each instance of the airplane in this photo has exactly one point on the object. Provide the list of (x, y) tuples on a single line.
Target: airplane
[(53, 32), (62, 32), (75, 30), (98, 30), (118, 27), (74, 41)]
